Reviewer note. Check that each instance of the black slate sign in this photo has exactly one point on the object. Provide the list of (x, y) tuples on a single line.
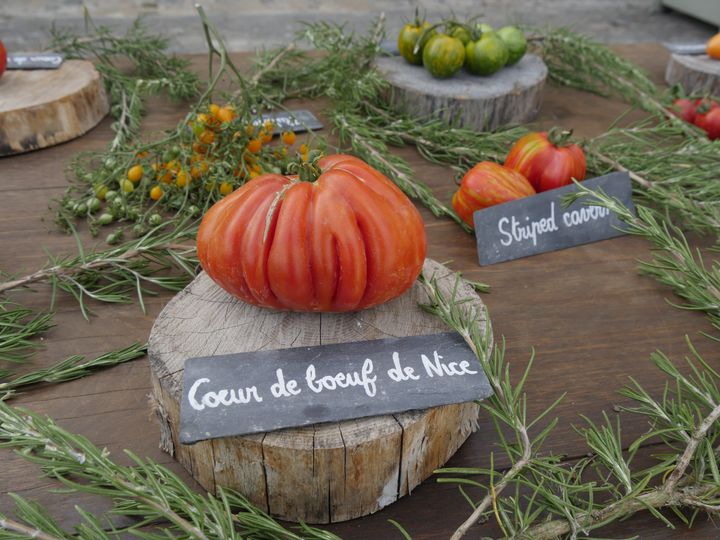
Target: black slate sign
[(253, 392), (540, 223), (34, 60), (297, 121)]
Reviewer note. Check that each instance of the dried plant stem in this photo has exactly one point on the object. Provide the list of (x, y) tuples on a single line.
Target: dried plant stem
[(517, 467), (489, 499), (62, 271), (29, 532), (656, 498), (618, 167), (684, 461), (270, 65)]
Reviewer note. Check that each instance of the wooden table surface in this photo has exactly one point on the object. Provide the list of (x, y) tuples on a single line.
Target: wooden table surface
[(592, 320)]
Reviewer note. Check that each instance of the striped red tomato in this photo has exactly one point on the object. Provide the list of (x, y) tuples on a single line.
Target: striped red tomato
[(488, 184), (546, 160)]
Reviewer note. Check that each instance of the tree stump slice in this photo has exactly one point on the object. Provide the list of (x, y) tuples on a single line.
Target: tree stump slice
[(696, 74), (321, 473), (510, 96), (44, 107)]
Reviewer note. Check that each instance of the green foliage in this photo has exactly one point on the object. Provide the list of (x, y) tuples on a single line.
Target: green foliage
[(150, 70), (18, 325), (113, 274), (73, 367), (147, 492)]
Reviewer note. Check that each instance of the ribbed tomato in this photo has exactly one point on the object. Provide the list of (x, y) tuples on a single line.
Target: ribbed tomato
[(347, 241), (545, 161), (488, 184)]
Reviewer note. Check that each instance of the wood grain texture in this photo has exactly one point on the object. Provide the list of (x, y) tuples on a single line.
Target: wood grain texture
[(510, 96), (591, 319), (40, 108), (322, 473), (696, 74)]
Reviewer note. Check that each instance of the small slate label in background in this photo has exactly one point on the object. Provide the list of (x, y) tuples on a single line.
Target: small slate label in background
[(238, 394), (297, 121), (540, 223), (689, 49), (34, 60)]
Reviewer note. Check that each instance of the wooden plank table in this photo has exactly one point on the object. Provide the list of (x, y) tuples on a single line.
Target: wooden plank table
[(591, 318)]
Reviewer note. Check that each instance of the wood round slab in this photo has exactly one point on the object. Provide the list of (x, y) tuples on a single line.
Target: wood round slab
[(696, 74), (510, 96), (321, 473), (43, 107)]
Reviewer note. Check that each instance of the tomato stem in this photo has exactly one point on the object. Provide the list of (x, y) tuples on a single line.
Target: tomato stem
[(559, 137), (307, 170)]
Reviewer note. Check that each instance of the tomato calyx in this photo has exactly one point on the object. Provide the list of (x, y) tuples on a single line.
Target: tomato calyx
[(559, 137), (307, 170)]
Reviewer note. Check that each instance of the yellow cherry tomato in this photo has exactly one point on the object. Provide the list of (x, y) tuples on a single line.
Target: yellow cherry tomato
[(182, 179), (288, 137), (207, 137), (265, 136), (254, 145), (214, 108), (202, 118), (135, 173), (225, 114), (250, 130), (156, 193), (304, 148), (166, 177), (100, 192), (226, 188), (126, 186)]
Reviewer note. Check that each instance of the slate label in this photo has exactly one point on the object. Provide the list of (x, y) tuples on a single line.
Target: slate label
[(297, 121), (34, 61), (253, 392), (541, 223)]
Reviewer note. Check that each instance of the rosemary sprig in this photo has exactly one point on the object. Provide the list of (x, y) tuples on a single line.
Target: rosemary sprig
[(149, 492), (111, 275), (151, 70), (73, 367), (577, 61), (566, 500), (671, 172), (675, 263), (18, 325)]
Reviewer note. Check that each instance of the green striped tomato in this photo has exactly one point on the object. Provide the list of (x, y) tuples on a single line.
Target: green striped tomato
[(443, 56)]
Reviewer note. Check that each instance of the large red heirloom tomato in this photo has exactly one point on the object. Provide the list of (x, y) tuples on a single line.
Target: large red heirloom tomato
[(543, 159), (347, 241), (488, 184)]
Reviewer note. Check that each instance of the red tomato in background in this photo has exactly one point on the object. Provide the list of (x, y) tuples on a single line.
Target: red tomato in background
[(541, 159), (710, 122), (488, 184), (348, 241), (3, 58), (685, 109)]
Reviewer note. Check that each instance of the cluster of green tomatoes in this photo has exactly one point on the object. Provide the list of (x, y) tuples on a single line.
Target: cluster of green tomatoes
[(478, 47)]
